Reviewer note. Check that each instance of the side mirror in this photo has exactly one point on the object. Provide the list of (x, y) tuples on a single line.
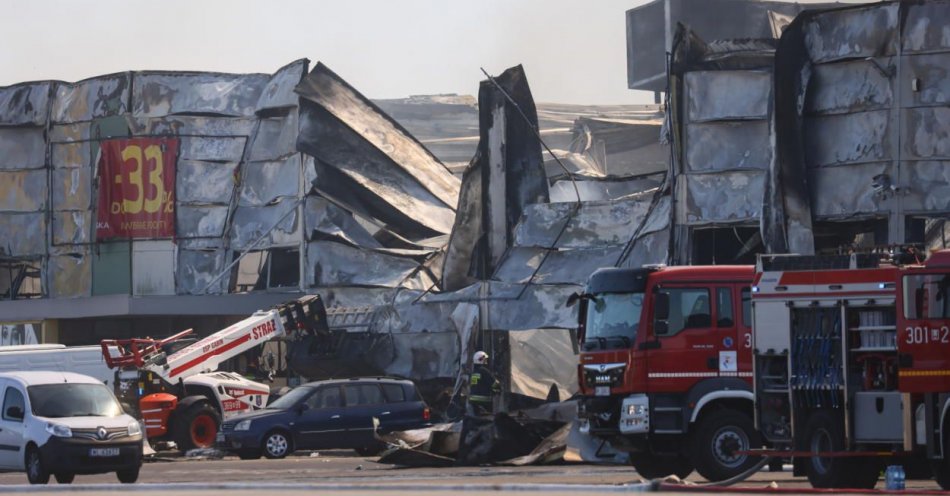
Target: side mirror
[(661, 328), (572, 299), (15, 413), (661, 305)]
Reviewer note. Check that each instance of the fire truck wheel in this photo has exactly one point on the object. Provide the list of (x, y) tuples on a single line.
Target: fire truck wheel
[(651, 466), (196, 427), (824, 432), (719, 435)]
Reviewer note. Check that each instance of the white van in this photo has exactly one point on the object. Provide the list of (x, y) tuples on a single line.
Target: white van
[(62, 423), (87, 360)]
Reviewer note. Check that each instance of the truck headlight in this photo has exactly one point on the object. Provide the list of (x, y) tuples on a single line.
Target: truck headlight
[(59, 430), (636, 409), (243, 425), (135, 429)]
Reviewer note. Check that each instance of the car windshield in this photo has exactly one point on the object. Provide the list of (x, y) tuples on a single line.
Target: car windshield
[(612, 320), (73, 400), (290, 399)]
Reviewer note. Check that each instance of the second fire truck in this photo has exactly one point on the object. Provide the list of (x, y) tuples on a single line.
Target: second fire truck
[(852, 365)]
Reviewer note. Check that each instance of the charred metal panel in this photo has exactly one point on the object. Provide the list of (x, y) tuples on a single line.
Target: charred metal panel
[(25, 104), (70, 273), (72, 155), (200, 221), (719, 146), (23, 148), (458, 269), (591, 189), (519, 264), (276, 138), (541, 224), (208, 183), (90, 99), (72, 189), (197, 268), (653, 248), (350, 169), (846, 190), (23, 191), (930, 75), (72, 227), (855, 33), (925, 27), (848, 138), (927, 186), (324, 219), (926, 134), (538, 359), (279, 90), (250, 223), (24, 234), (264, 182), (70, 132), (337, 264), (724, 197), (538, 306), (852, 86), (353, 110), (194, 125), (157, 94), (604, 223), (728, 95), (212, 149), (575, 266), (153, 268), (659, 217)]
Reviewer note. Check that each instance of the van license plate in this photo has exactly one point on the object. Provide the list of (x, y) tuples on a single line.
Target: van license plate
[(103, 451), (602, 391)]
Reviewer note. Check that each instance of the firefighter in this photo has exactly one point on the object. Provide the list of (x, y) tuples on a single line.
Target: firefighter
[(482, 385)]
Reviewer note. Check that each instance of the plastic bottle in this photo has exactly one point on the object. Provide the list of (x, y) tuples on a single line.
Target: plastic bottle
[(894, 478)]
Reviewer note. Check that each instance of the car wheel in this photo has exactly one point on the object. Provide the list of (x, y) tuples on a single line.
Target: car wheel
[(128, 476), (276, 444), (65, 478), (36, 471)]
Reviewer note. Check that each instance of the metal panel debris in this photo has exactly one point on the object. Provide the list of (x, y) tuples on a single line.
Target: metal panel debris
[(23, 148), (91, 99), (25, 104), (156, 94)]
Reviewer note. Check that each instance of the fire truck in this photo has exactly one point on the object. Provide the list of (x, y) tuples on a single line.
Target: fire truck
[(180, 395), (852, 365), (665, 367)]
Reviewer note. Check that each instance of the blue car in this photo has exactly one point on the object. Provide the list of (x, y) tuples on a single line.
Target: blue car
[(326, 415)]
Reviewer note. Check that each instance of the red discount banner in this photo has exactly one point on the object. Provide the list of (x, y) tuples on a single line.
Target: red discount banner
[(137, 188)]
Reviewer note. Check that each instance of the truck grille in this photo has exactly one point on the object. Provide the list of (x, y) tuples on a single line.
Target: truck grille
[(604, 374)]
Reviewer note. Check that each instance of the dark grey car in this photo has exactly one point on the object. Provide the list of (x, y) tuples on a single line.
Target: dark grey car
[(326, 415)]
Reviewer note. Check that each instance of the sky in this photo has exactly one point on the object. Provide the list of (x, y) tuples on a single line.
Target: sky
[(573, 51)]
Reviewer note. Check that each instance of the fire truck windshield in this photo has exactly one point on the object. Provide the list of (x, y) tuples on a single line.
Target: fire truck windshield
[(612, 320)]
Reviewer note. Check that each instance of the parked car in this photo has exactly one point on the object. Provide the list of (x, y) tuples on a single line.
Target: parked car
[(63, 423), (326, 415)]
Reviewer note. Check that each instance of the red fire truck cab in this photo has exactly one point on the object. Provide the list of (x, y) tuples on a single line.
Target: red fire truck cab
[(666, 367)]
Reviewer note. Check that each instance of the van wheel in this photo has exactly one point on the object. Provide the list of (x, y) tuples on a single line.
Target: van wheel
[(719, 435), (128, 476), (196, 427), (65, 478), (36, 471), (277, 444), (941, 468)]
